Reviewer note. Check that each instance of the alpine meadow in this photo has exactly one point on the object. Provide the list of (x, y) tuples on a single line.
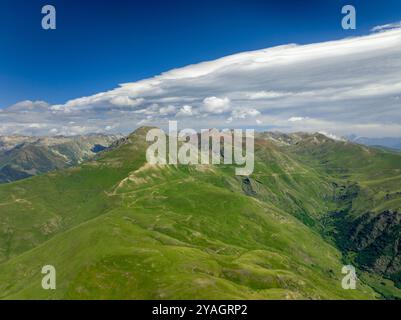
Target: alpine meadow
[(116, 227), (199, 158)]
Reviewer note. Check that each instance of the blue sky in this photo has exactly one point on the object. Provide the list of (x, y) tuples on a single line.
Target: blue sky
[(100, 44)]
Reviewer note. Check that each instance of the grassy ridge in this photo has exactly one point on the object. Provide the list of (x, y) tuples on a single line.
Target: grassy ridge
[(217, 245), (117, 228)]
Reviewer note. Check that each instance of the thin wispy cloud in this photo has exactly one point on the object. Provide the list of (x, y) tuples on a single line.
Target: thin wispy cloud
[(387, 26), (340, 87)]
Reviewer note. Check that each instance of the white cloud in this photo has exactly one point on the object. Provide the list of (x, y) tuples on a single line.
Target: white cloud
[(216, 105), (243, 113), (124, 101), (185, 111), (37, 125), (29, 106), (332, 136), (385, 27), (168, 110), (294, 119), (266, 95), (343, 86)]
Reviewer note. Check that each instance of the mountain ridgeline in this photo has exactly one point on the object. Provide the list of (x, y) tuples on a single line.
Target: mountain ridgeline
[(116, 227)]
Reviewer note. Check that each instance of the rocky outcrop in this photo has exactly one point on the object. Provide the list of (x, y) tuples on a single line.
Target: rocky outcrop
[(376, 239)]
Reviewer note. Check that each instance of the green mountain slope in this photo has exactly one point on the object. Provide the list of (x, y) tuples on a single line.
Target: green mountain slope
[(367, 190), (118, 228)]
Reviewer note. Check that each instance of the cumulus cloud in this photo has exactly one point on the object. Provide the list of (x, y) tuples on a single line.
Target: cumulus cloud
[(185, 111), (344, 86), (216, 105)]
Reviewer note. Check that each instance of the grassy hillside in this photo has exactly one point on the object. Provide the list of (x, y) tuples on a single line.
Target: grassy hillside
[(118, 228), (367, 190)]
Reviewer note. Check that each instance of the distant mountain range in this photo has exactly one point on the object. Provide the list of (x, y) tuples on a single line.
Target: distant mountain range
[(23, 156), (392, 143), (116, 227)]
